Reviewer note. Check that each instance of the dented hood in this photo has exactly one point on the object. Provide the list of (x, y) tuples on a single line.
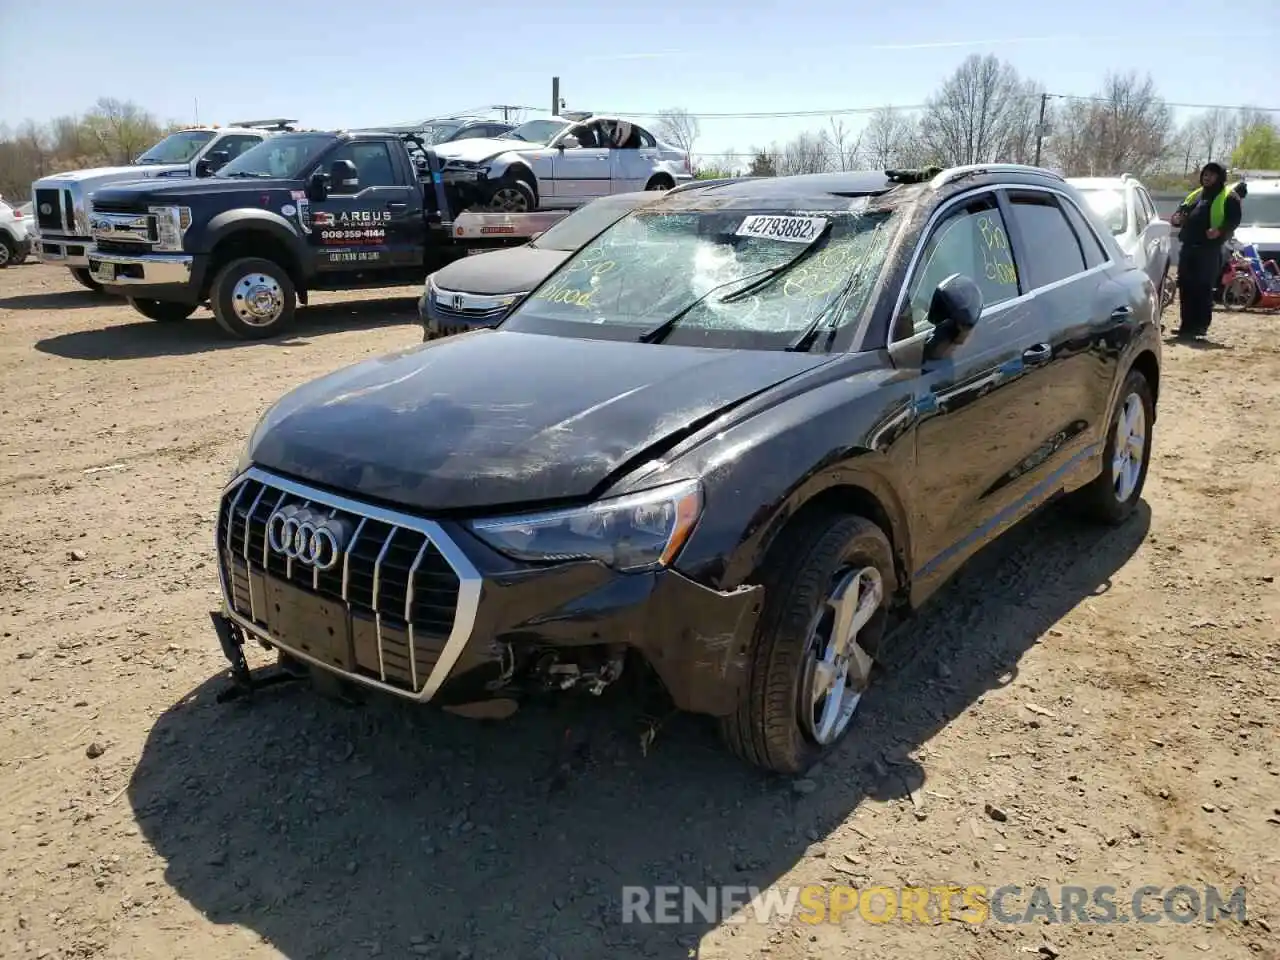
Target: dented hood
[(498, 418), (482, 148)]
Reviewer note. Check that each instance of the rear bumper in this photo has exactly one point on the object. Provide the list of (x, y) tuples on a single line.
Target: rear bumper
[(60, 251)]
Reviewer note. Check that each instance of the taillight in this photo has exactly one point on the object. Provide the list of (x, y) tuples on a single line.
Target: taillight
[(688, 164), (17, 214)]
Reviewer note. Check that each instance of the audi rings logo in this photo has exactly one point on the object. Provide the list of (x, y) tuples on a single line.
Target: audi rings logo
[(312, 539)]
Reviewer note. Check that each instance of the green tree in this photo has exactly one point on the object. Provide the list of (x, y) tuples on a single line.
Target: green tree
[(1259, 148)]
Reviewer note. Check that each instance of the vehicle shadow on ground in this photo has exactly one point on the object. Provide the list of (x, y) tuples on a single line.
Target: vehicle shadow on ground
[(55, 300), (201, 333), (387, 830)]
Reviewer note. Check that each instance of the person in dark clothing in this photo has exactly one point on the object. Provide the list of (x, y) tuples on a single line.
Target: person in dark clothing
[(1206, 218)]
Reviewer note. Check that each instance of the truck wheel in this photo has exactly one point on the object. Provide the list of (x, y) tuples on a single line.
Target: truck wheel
[(827, 585), (253, 299), (511, 195), (85, 279), (8, 251), (162, 310)]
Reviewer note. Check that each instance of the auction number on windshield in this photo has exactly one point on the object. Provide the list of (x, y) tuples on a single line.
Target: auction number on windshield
[(790, 229)]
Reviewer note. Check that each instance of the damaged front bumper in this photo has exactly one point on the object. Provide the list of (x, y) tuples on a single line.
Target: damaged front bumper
[(507, 616)]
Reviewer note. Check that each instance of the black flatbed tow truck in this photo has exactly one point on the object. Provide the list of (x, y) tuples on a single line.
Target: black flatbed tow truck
[(303, 211)]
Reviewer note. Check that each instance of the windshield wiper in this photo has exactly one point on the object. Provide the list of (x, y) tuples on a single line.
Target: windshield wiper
[(245, 174), (756, 281)]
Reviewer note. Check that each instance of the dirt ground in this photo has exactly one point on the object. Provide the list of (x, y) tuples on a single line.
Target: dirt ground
[(1111, 697)]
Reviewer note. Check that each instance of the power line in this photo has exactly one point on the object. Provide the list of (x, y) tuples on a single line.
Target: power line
[(842, 111)]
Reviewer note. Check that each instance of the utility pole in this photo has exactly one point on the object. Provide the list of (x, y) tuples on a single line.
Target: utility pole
[(1044, 102), (555, 96)]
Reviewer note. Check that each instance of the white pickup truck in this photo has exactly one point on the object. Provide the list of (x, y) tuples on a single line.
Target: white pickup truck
[(60, 203)]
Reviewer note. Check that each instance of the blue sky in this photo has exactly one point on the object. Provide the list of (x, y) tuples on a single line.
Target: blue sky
[(329, 63)]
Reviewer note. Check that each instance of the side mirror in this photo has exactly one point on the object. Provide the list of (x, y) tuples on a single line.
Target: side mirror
[(318, 186), (213, 161), (570, 141), (342, 174), (954, 312)]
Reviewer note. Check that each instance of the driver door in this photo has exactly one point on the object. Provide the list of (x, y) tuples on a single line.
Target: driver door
[(582, 172), (980, 408), (370, 226)]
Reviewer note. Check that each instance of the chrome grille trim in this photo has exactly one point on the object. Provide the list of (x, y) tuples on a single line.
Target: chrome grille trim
[(469, 580)]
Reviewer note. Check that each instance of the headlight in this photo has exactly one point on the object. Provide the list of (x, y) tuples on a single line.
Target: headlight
[(171, 226), (638, 532)]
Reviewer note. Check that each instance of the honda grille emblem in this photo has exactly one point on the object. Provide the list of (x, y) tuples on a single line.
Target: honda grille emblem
[(457, 301), (309, 537)]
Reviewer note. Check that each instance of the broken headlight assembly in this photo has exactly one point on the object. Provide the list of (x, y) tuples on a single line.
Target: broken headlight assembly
[(638, 532)]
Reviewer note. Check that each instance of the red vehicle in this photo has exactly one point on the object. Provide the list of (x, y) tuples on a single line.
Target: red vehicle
[(1248, 281)]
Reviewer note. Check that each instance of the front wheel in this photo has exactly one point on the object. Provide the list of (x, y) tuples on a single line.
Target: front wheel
[(253, 299), (828, 583), (1113, 495), (8, 251), (85, 279), (162, 310), (1240, 293), (660, 183), (511, 195)]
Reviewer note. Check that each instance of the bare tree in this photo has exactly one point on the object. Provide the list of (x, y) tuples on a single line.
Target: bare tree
[(888, 140), (122, 128), (844, 149), (1126, 127), (804, 153), (679, 128), (978, 115)]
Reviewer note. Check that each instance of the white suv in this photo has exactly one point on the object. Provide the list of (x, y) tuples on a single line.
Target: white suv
[(15, 237), (1127, 210)]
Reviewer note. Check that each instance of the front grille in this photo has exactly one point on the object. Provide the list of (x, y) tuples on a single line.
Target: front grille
[(384, 611), (468, 315), (116, 206), (128, 249), (52, 220)]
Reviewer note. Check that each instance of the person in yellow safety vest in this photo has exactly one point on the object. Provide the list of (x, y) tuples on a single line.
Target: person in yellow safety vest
[(1208, 216)]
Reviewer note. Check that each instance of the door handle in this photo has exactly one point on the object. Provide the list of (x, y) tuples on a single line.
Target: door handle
[(397, 207), (1038, 353)]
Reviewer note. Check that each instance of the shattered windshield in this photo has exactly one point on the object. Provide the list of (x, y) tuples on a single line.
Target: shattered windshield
[(535, 131), (433, 133), (177, 147), (735, 277)]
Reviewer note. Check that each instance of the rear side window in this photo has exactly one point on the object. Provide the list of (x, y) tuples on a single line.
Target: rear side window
[(1052, 248), (1094, 255), (970, 240)]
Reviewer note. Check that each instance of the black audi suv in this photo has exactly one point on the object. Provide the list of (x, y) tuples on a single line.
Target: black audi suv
[(721, 445)]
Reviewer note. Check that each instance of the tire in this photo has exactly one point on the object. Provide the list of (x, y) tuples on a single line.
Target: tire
[(660, 182), (1101, 500), (8, 251), (253, 299), (163, 310), (768, 729), (1168, 290), (85, 279), (511, 194)]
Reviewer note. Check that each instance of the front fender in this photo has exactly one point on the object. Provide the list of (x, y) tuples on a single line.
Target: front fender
[(849, 439), (232, 221), (503, 162)]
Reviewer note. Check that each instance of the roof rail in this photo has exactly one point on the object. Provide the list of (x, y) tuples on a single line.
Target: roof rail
[(274, 123), (955, 173)]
